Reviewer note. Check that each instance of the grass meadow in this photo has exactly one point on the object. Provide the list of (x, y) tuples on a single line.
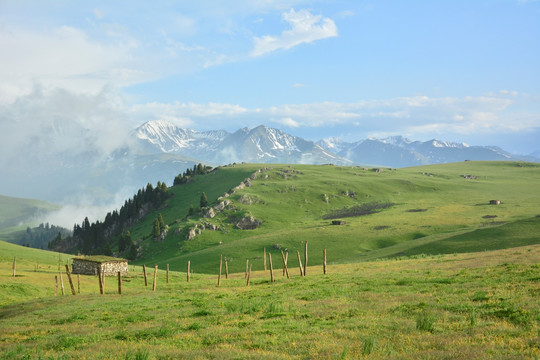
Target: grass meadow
[(435, 273), (475, 306), (435, 210)]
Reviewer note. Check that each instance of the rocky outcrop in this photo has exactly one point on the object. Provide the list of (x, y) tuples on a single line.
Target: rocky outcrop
[(198, 229), (247, 199), (163, 234), (209, 213), (248, 223)]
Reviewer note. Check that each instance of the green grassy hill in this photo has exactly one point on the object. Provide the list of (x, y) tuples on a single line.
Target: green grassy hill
[(434, 210), (474, 305), (17, 213)]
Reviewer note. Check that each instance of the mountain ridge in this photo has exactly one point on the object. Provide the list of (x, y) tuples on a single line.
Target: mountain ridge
[(271, 145)]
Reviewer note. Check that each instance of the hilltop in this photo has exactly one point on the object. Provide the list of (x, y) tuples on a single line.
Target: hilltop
[(430, 210)]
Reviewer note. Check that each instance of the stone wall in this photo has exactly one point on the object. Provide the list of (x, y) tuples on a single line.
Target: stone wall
[(85, 267)]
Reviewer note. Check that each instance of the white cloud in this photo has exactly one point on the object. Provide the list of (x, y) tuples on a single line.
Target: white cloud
[(289, 122), (419, 115), (306, 28), (156, 110), (54, 124), (62, 57)]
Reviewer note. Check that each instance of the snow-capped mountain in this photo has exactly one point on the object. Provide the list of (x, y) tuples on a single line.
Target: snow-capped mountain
[(160, 136), (397, 151), (268, 145), (261, 144)]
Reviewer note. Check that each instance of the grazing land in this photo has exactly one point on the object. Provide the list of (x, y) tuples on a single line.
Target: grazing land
[(420, 265), (475, 305), (430, 209)]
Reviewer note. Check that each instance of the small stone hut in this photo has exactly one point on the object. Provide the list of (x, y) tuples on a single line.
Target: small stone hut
[(107, 265)]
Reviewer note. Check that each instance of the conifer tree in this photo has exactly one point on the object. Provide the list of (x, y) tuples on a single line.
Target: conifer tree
[(107, 249), (156, 230), (122, 243), (191, 210), (204, 200), (132, 254), (161, 222)]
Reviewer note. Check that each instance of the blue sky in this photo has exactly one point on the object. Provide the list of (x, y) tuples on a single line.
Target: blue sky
[(454, 70)]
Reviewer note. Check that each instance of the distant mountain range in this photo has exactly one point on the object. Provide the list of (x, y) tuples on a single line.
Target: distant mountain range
[(258, 145), (158, 151), (398, 151), (268, 145)]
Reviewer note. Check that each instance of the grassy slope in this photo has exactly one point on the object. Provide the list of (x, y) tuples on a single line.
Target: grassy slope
[(290, 202), (14, 211), (480, 305), (42, 263)]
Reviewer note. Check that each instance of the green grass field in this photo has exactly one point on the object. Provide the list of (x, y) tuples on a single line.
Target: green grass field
[(440, 274), (477, 305), (435, 211)]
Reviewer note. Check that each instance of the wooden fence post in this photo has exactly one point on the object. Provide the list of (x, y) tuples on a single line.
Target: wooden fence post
[(305, 258), (264, 257), (300, 263), (14, 266), (55, 285), (154, 287), (188, 269), (324, 261), (101, 289), (249, 275), (285, 270), (78, 283), (62, 284), (220, 265), (167, 273), (247, 268), (119, 283), (70, 280), (271, 267), (145, 277), (226, 268)]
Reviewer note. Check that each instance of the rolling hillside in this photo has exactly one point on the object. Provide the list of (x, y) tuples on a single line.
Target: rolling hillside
[(15, 212), (432, 209)]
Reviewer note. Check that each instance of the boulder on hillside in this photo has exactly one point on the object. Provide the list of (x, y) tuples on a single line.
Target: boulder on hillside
[(248, 199), (210, 213), (222, 205), (248, 223)]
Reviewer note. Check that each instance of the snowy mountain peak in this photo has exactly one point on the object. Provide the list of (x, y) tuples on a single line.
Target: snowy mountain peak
[(162, 136)]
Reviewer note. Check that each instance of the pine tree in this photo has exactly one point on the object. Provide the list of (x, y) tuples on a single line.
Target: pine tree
[(122, 243), (191, 210), (128, 240), (107, 249), (156, 230), (204, 200), (161, 222), (132, 254)]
